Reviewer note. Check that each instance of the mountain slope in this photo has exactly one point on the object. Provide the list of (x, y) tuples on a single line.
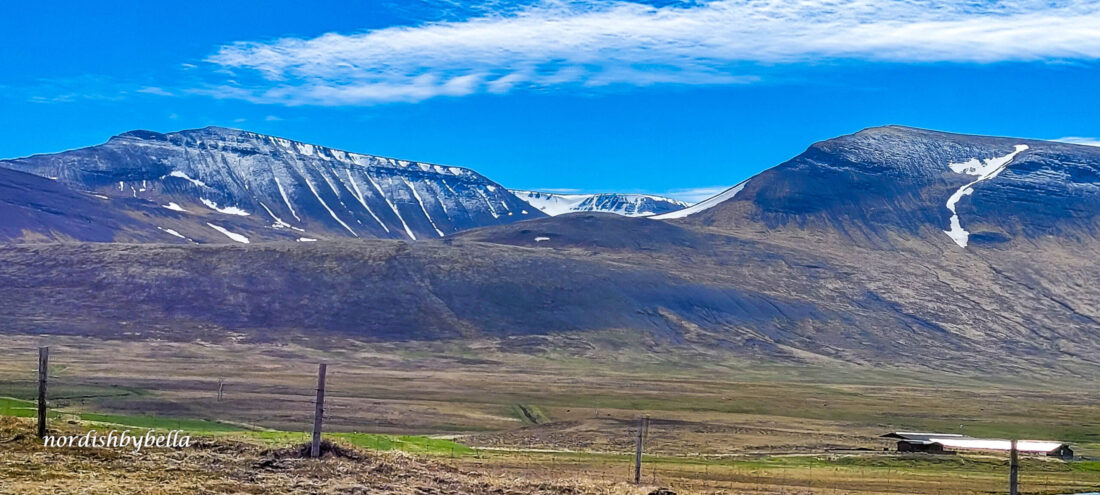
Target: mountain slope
[(631, 205), (269, 188), (690, 289), (952, 190), (40, 209), (847, 252)]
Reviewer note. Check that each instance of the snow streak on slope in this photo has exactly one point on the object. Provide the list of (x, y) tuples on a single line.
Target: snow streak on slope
[(359, 196), (279, 223), (228, 210), (330, 212), (984, 171), (705, 204), (236, 237), (181, 175), (488, 203), (631, 205), (286, 200), (422, 208), (173, 233), (392, 207)]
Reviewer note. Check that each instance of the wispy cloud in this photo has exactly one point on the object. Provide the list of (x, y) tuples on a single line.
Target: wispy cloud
[(1088, 141), (155, 90), (589, 43)]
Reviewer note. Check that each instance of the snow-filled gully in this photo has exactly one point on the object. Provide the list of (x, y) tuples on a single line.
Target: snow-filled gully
[(984, 170)]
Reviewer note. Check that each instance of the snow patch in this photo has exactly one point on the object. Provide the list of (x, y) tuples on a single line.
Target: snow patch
[(174, 233), (306, 239), (181, 175), (540, 239), (174, 207), (236, 237), (228, 210), (984, 170)]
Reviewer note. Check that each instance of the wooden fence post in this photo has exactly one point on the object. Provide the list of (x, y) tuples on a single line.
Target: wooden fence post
[(318, 414), (43, 368), (643, 423), (1013, 470)]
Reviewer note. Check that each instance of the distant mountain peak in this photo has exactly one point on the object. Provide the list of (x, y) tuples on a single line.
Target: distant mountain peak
[(626, 204)]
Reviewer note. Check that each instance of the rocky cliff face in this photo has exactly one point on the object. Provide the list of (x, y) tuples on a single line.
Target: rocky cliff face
[(225, 185)]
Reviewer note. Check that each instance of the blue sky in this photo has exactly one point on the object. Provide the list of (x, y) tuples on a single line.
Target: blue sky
[(667, 97)]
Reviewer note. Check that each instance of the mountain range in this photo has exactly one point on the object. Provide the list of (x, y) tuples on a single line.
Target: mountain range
[(631, 205), (891, 245)]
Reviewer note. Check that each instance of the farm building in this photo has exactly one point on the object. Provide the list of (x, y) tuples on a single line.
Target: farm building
[(940, 443)]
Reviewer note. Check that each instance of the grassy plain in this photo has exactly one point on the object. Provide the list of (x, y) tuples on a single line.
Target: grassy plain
[(541, 410)]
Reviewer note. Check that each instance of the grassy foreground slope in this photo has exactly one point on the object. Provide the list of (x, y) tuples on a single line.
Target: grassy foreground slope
[(228, 466)]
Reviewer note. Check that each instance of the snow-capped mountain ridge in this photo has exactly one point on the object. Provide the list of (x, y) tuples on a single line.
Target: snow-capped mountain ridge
[(627, 204), (275, 188), (883, 182)]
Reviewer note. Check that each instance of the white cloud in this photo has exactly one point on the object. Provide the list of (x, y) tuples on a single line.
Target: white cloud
[(589, 43), (272, 118), (1088, 141)]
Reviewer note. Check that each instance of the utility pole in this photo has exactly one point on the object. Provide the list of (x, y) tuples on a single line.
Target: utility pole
[(643, 424), (43, 367), (1013, 470), (318, 414)]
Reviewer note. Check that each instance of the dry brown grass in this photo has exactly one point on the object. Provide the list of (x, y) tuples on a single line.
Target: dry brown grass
[(226, 466)]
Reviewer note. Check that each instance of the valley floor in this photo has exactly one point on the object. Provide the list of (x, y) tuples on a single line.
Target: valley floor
[(555, 414)]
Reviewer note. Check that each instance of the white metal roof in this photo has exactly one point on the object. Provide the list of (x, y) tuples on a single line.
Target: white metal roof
[(956, 441)]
